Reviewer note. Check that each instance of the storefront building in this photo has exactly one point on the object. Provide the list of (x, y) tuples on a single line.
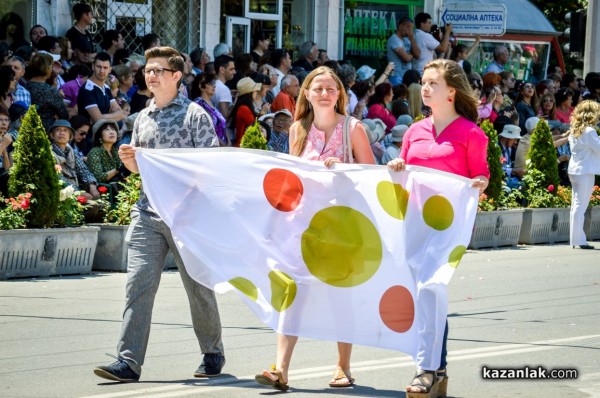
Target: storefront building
[(347, 29)]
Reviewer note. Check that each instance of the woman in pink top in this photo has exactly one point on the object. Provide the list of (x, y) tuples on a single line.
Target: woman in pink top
[(564, 105), (378, 105), (450, 141), (317, 134)]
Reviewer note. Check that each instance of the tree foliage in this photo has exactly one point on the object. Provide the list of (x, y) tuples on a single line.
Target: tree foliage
[(555, 10), (33, 171)]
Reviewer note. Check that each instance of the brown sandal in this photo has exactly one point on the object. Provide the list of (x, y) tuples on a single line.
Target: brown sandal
[(338, 379), (266, 379)]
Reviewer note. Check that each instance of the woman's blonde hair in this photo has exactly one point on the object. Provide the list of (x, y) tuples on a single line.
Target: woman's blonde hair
[(304, 113), (465, 102), (415, 103), (586, 114)]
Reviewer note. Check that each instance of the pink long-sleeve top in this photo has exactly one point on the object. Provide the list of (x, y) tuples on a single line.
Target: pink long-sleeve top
[(378, 111), (461, 148)]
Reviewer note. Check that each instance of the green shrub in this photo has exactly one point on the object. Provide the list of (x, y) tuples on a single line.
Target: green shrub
[(129, 194), (494, 188), (253, 138), (541, 183), (34, 172)]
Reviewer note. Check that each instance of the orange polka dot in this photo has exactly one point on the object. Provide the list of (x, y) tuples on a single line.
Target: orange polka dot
[(397, 309), (283, 189)]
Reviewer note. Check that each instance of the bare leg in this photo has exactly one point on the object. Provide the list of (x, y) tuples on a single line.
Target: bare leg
[(341, 375), (344, 354), (285, 349)]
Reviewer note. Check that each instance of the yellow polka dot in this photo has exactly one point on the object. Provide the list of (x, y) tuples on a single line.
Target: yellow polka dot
[(393, 198), (283, 290), (245, 286), (456, 255), (341, 247), (438, 212)]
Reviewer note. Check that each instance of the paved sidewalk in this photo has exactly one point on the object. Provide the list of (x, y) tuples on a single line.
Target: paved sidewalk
[(529, 305)]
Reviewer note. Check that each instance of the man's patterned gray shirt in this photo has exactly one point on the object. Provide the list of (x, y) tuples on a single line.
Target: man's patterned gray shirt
[(180, 124)]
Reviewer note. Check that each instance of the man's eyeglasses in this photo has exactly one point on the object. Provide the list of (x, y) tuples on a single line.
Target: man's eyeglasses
[(157, 71)]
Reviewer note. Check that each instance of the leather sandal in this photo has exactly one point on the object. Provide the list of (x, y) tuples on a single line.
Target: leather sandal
[(428, 389), (272, 378), (341, 379)]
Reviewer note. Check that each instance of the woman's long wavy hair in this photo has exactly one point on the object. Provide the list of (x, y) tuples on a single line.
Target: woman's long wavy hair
[(465, 102), (304, 113), (585, 114)]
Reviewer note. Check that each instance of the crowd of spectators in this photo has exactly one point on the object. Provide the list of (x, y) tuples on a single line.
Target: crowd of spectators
[(81, 82)]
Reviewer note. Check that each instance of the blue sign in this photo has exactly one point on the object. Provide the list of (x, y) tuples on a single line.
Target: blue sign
[(467, 19)]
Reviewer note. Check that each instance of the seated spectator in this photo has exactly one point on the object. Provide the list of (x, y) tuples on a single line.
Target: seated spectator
[(508, 139), (242, 114), (526, 103), (362, 90), (103, 159), (400, 103), (36, 33), (76, 78), (142, 97), (564, 105), (280, 140), (16, 112), (83, 52), (395, 138), (50, 103), (378, 105), (127, 130), (547, 107), (524, 143), (307, 54), (73, 170), (375, 129), (286, 99), (81, 126), (18, 66), (202, 90), (125, 78), (95, 98), (261, 105), (12, 31)]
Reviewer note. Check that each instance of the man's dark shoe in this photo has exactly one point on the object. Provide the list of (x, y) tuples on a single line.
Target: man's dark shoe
[(117, 371), (211, 366)]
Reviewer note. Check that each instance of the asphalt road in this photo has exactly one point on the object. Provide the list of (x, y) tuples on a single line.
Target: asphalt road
[(509, 308)]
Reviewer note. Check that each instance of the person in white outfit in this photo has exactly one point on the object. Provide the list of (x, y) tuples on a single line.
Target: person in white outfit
[(583, 165)]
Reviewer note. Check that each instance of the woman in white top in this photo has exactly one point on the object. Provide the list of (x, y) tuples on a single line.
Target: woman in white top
[(583, 165)]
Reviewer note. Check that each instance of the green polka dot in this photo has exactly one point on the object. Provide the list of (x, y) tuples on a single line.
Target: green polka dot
[(456, 255), (245, 286), (341, 247), (283, 290), (438, 212), (393, 198)]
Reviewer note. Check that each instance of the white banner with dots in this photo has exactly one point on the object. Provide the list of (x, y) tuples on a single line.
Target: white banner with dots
[(356, 253)]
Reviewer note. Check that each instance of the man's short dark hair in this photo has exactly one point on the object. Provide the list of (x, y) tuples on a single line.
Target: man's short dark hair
[(149, 40), (80, 9), (47, 43), (421, 18), (592, 81), (174, 58), (277, 56), (404, 20), (222, 61), (196, 56), (108, 37), (102, 56)]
